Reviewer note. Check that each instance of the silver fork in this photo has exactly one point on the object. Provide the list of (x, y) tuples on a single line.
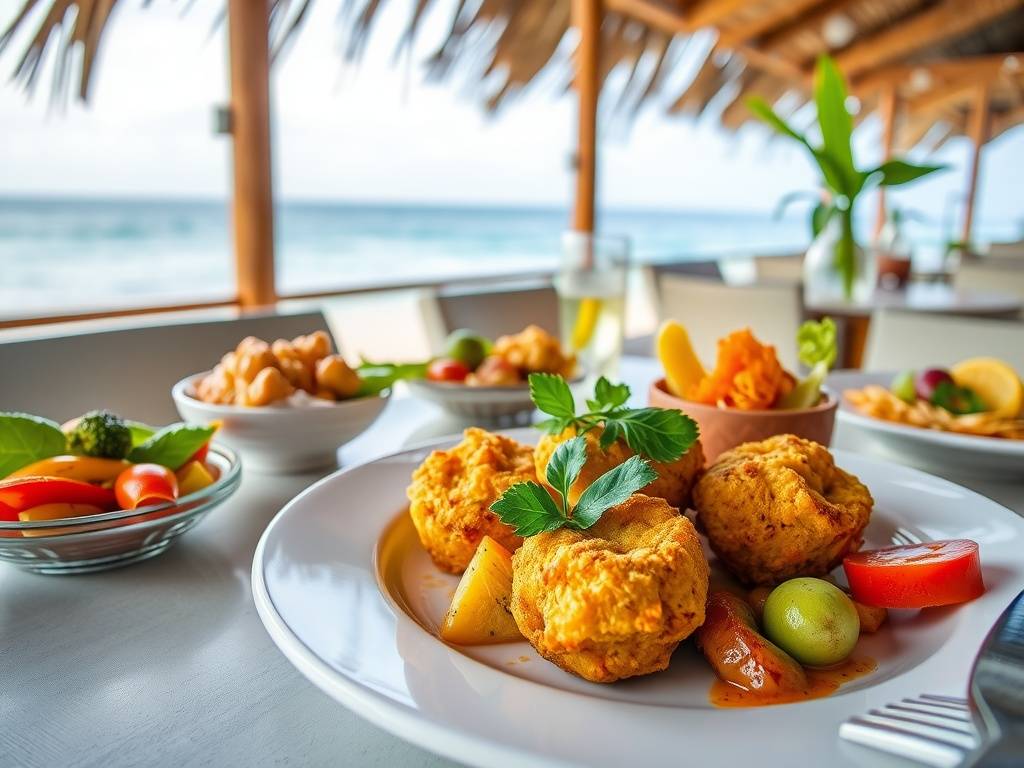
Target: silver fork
[(984, 731), (935, 730)]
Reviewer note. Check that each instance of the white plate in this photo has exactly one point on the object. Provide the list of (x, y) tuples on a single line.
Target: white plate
[(965, 455), (349, 596)]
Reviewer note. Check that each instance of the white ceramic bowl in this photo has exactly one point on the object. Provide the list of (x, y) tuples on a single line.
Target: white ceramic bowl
[(282, 439), (486, 403)]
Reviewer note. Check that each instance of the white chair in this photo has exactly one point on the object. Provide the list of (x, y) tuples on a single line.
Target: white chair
[(899, 340), (995, 276), (710, 310), (491, 311), (1012, 251), (782, 268), (128, 370)]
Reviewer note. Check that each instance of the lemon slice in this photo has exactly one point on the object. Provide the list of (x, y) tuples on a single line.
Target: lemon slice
[(994, 381), (683, 368), (586, 322)]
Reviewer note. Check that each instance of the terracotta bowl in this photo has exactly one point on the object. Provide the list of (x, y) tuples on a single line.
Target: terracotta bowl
[(725, 428)]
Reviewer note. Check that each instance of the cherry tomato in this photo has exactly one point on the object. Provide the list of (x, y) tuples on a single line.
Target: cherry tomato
[(144, 485), (446, 369), (24, 493), (916, 575)]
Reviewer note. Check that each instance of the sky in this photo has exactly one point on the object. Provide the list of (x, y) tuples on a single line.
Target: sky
[(377, 132)]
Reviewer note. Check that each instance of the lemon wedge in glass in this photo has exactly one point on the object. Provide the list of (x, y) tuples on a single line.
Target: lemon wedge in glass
[(586, 322), (994, 381), (683, 369)]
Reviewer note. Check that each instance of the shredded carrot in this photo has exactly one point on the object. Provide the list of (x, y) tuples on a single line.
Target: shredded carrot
[(747, 375)]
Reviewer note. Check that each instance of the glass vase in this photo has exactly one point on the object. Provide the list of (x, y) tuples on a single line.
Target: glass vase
[(836, 269)]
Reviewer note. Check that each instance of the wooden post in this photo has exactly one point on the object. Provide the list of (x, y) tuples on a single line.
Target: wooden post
[(887, 105), (978, 131), (252, 204), (586, 17)]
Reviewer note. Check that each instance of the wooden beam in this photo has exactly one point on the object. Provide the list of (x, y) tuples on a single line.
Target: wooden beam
[(887, 106), (586, 18), (708, 13), (770, 19), (22, 321), (978, 131), (946, 94), (775, 65), (987, 67), (652, 14), (252, 204), (949, 19)]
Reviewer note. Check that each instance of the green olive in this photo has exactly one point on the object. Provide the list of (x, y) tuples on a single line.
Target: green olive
[(813, 621)]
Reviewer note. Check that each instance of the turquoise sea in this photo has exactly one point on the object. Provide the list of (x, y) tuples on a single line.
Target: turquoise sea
[(59, 255)]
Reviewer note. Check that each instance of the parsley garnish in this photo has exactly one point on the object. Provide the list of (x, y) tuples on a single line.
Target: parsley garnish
[(657, 433), (530, 508), (957, 400)]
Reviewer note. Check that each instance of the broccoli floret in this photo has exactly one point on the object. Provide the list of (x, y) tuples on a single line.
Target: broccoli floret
[(100, 433)]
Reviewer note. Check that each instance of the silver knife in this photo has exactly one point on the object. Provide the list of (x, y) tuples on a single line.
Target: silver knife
[(997, 692)]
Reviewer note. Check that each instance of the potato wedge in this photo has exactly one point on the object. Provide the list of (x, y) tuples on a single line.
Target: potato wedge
[(480, 612)]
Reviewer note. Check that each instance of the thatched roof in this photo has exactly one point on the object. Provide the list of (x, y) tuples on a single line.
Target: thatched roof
[(933, 52)]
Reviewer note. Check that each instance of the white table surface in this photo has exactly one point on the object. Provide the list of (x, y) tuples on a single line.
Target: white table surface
[(166, 663)]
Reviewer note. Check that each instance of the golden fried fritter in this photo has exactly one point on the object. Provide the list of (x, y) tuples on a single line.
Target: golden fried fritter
[(675, 478), (780, 508), (452, 491), (613, 601)]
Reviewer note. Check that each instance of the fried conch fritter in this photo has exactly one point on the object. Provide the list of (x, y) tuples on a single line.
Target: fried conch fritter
[(452, 491), (780, 508), (675, 478), (613, 601)]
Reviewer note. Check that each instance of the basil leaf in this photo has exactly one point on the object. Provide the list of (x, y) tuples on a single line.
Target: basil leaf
[(611, 488), (25, 439), (140, 432), (529, 508), (376, 377), (957, 400), (552, 395), (658, 433), (564, 467), (172, 446)]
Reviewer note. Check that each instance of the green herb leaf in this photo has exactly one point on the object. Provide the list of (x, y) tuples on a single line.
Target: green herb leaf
[(552, 395), (816, 342), (554, 426), (763, 111), (140, 432), (608, 396), (660, 434), (611, 488), (564, 467), (529, 508), (957, 400), (25, 439), (172, 446), (376, 377)]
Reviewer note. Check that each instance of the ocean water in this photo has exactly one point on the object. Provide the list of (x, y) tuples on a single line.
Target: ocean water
[(60, 255)]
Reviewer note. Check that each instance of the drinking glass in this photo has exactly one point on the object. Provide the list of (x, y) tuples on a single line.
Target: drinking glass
[(591, 287)]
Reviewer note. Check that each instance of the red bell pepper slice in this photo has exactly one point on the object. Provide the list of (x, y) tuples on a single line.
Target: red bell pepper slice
[(916, 575), (26, 492)]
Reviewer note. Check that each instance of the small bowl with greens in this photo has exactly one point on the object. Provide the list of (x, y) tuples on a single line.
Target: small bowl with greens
[(101, 492), (748, 395)]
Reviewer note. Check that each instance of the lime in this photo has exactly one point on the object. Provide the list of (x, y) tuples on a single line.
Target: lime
[(467, 347), (813, 621)]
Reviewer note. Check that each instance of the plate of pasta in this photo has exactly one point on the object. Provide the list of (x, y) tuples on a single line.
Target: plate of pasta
[(964, 437)]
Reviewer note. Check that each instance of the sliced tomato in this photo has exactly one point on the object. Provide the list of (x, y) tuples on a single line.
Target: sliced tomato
[(144, 485), (19, 494), (916, 575), (446, 369)]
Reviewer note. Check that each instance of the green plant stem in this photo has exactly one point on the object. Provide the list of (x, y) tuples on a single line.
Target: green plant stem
[(845, 261)]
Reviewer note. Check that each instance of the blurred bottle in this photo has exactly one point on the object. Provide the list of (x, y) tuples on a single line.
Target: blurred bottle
[(893, 253)]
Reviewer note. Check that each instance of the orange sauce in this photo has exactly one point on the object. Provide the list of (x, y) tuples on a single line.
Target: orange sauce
[(820, 683)]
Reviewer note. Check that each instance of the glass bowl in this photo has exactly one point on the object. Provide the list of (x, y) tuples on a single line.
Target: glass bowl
[(112, 539)]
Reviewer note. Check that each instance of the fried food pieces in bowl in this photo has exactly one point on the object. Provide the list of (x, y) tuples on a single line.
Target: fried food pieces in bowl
[(675, 478), (452, 491), (615, 600), (780, 508)]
